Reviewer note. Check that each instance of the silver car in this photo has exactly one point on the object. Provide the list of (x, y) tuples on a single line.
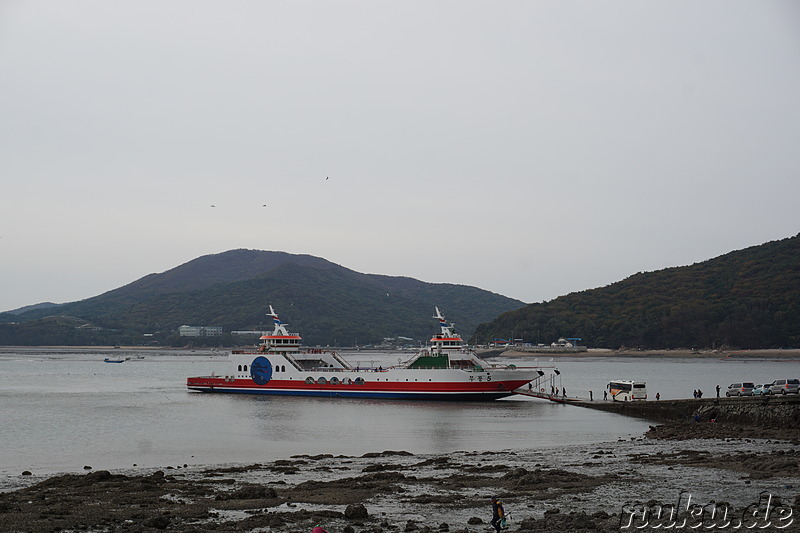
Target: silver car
[(785, 386), (740, 389)]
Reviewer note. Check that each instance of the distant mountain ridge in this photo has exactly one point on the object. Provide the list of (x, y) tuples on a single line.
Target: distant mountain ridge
[(43, 305), (325, 302), (745, 299)]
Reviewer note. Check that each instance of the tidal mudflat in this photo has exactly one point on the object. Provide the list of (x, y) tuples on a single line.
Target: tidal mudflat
[(595, 487)]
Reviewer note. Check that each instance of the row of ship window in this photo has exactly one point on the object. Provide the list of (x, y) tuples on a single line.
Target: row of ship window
[(335, 381), (278, 368)]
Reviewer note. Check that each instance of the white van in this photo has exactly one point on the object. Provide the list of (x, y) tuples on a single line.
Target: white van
[(622, 390)]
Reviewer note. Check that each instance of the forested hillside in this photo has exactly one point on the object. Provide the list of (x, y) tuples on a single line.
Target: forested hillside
[(744, 299), (326, 303)]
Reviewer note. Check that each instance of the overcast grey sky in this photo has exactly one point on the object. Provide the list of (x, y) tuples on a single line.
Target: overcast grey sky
[(530, 148)]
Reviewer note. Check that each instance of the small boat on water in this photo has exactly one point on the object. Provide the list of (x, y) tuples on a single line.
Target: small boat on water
[(444, 370), (109, 360)]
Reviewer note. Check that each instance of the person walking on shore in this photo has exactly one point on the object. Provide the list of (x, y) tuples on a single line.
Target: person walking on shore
[(717, 391), (498, 513)]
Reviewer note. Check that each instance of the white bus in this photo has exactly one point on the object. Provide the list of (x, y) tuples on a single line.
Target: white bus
[(622, 390)]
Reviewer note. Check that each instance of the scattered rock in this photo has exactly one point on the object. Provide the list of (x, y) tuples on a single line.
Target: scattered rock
[(356, 511), (158, 522)]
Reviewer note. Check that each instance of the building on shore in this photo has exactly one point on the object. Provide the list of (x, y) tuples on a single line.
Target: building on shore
[(200, 331)]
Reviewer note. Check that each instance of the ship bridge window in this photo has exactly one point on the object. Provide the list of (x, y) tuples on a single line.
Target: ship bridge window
[(245, 368), (240, 368), (322, 381), (283, 368)]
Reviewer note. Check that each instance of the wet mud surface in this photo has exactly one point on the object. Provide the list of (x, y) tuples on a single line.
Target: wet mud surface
[(571, 488)]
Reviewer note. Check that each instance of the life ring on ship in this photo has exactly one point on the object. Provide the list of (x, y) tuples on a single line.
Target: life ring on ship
[(541, 390)]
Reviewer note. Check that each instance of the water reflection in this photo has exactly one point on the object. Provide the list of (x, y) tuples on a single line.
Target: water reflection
[(352, 426)]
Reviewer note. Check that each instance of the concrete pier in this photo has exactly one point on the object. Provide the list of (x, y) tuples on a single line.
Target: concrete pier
[(762, 411)]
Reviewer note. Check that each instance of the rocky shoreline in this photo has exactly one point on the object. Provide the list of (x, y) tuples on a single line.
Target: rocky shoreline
[(570, 488)]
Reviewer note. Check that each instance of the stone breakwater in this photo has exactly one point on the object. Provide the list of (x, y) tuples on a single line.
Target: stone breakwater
[(758, 411)]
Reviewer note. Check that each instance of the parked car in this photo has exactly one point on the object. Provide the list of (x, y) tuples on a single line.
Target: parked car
[(785, 386), (740, 389), (760, 390)]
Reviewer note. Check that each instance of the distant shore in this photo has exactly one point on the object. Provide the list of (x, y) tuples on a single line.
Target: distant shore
[(782, 354), (765, 354)]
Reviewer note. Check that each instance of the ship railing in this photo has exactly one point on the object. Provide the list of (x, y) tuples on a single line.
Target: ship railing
[(348, 369), (340, 360), (292, 360)]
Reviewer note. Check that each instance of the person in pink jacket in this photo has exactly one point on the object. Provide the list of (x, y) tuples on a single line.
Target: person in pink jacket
[(318, 529)]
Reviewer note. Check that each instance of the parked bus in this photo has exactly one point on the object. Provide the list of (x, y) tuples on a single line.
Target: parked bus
[(623, 390)]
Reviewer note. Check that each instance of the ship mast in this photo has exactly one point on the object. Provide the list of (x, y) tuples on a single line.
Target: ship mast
[(447, 331), (280, 327)]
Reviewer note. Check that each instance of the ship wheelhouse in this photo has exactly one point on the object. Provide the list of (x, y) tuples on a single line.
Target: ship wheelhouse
[(447, 350)]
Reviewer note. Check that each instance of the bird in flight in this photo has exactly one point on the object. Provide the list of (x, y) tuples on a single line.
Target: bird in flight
[(327, 178), (212, 205)]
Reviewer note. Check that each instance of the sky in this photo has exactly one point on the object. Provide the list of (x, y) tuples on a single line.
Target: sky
[(529, 148)]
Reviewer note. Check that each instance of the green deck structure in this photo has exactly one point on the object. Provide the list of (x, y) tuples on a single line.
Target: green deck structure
[(431, 361)]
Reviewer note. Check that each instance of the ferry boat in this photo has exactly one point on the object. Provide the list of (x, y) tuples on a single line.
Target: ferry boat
[(445, 370)]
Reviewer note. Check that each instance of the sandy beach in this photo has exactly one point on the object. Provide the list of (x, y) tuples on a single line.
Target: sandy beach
[(570, 488)]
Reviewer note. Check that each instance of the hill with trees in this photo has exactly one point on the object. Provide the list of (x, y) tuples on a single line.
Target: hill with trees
[(327, 303), (745, 299)]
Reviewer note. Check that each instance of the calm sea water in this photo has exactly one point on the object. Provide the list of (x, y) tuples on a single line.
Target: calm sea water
[(62, 409)]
